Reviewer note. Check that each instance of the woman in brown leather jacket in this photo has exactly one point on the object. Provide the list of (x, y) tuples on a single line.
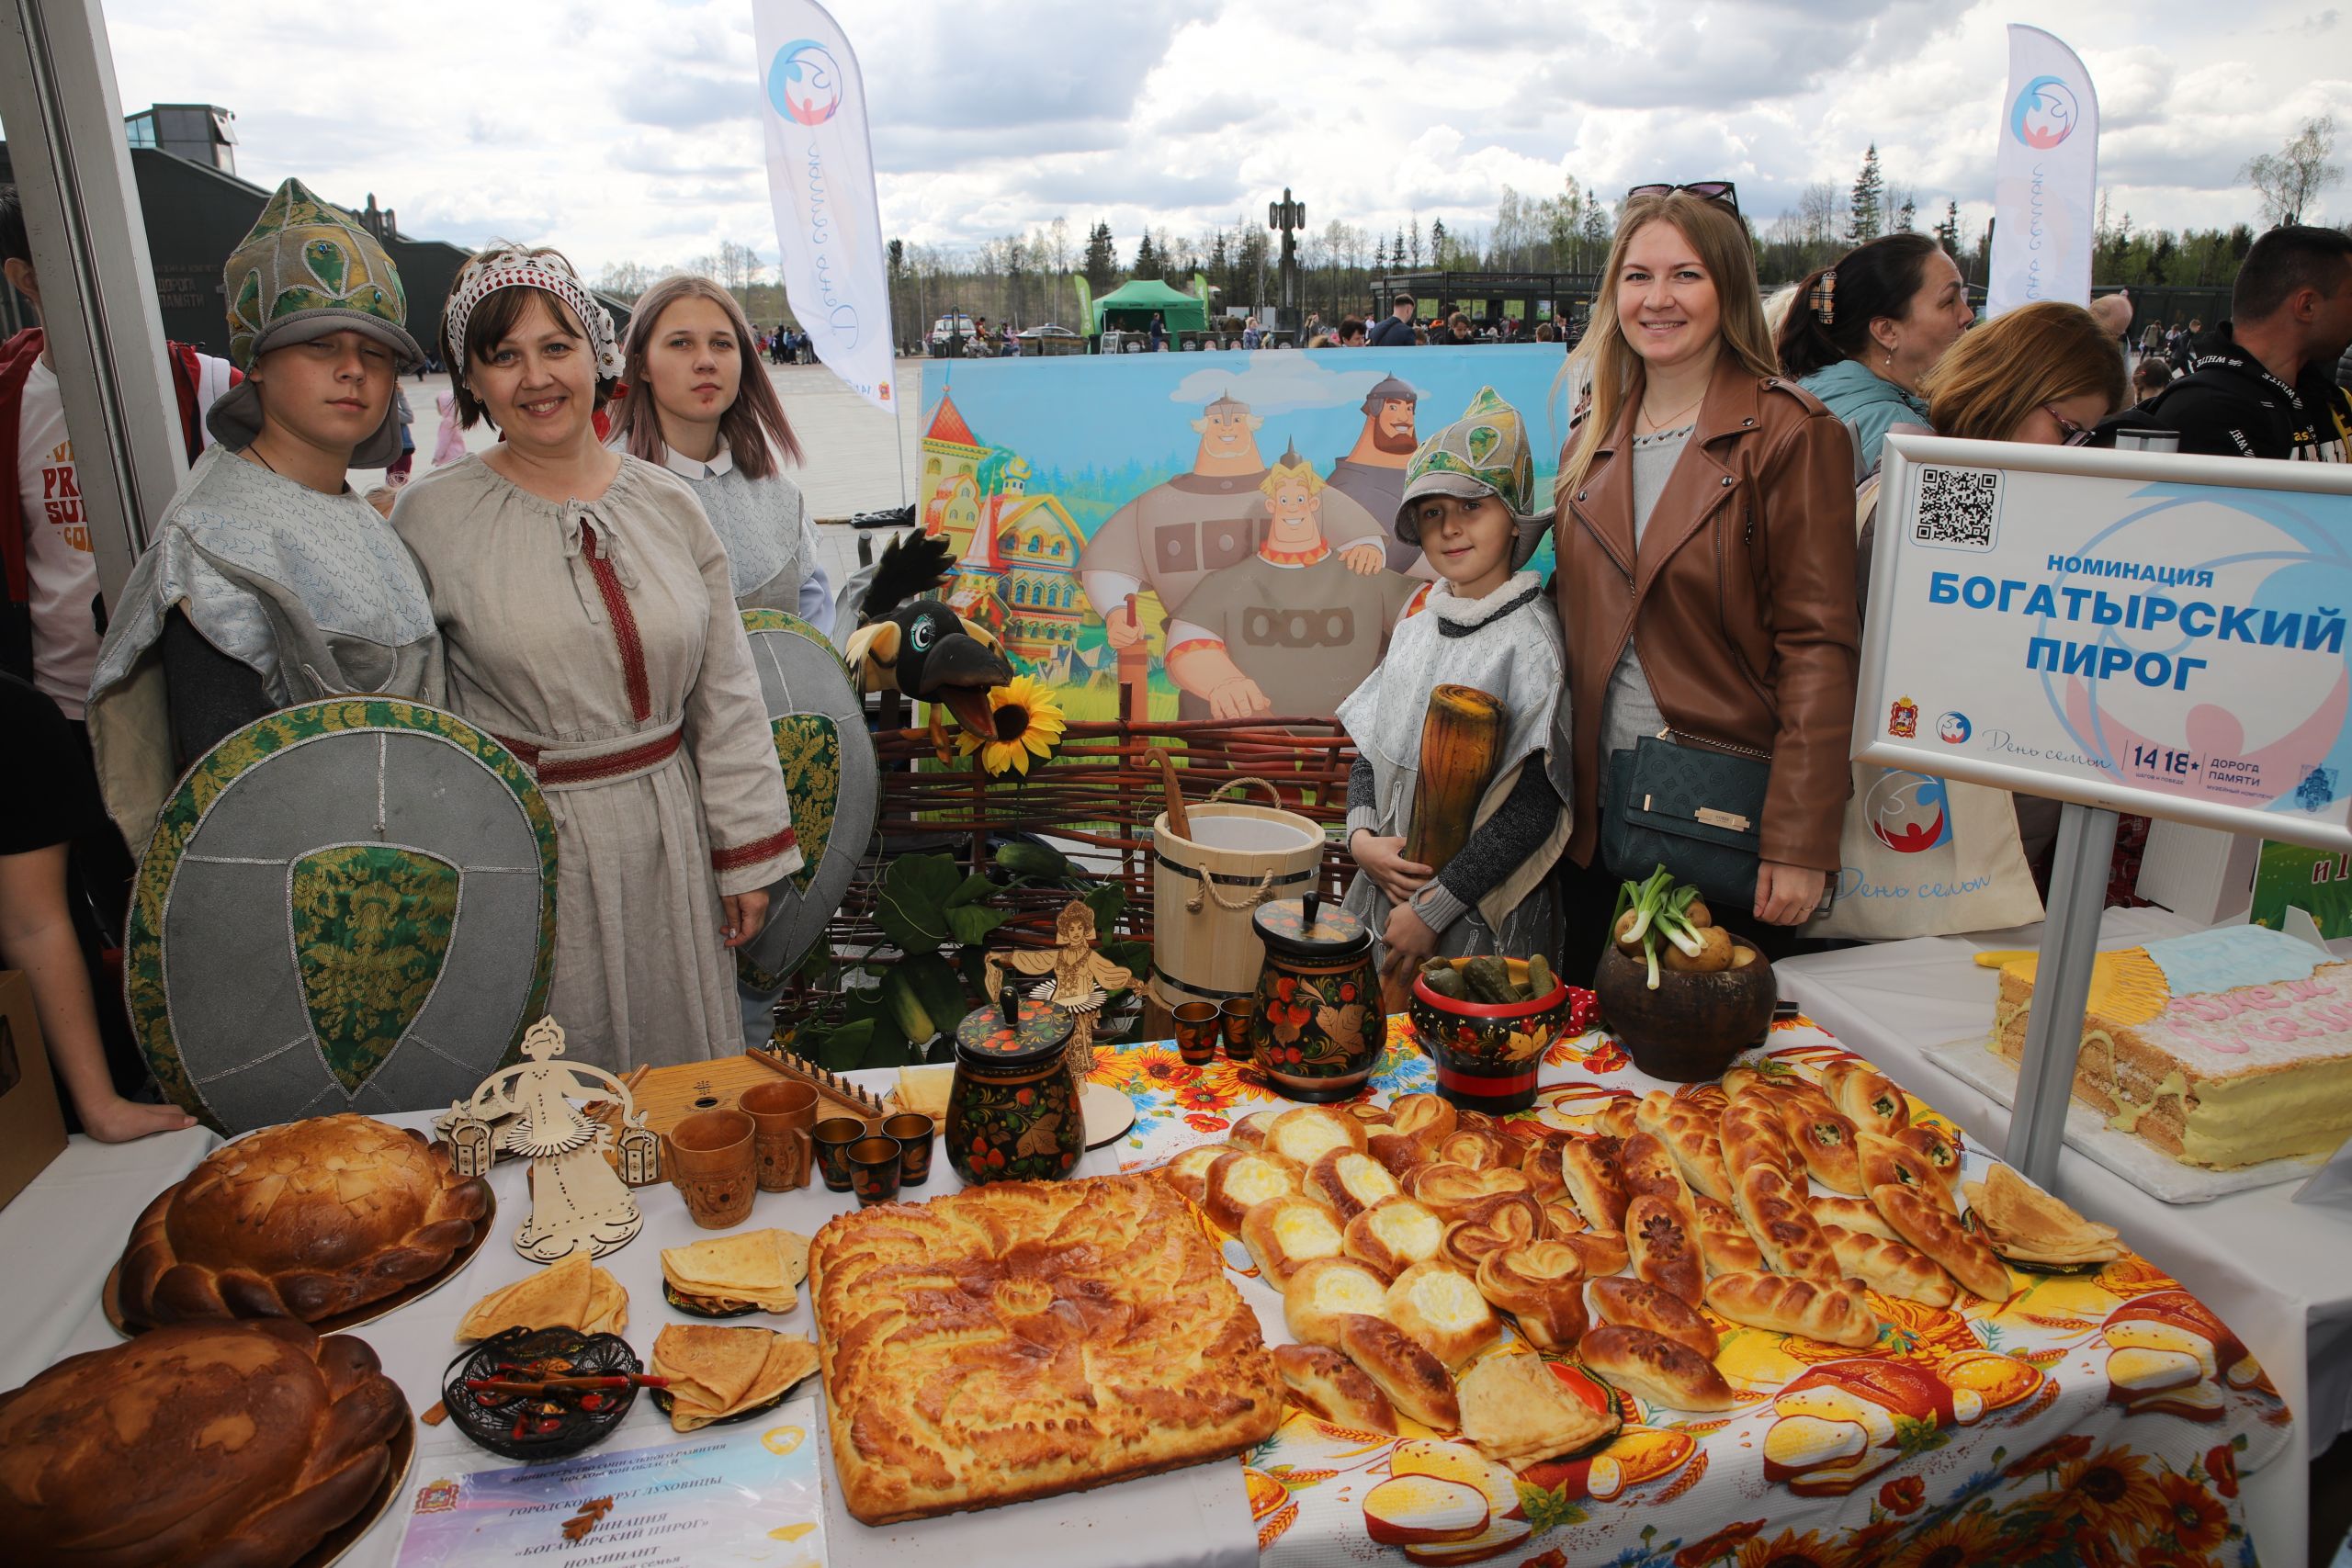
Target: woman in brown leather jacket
[(1705, 536)]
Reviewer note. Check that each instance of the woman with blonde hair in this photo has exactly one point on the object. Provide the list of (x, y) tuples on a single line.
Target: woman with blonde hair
[(705, 411), (1705, 538)]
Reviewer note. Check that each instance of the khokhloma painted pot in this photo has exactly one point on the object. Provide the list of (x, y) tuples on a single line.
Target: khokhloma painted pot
[(1487, 1054), (1014, 1112)]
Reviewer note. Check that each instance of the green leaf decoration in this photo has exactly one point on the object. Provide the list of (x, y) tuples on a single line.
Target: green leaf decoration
[(934, 983), (970, 923), (977, 889), (1482, 441), (845, 1048), (885, 1047), (912, 906), (1106, 901), (1547, 1509), (1915, 1438)]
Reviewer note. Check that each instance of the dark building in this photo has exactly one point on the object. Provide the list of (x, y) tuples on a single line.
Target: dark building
[(183, 158)]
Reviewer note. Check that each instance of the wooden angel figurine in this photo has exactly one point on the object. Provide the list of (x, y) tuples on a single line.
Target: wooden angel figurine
[(577, 1199)]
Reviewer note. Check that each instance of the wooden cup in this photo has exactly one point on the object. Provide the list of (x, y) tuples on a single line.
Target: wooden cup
[(1196, 1032), (833, 1137), (714, 1160), (873, 1169), (783, 1114), (1236, 1014), (913, 1130)]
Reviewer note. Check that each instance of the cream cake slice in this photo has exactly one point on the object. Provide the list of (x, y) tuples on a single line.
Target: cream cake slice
[(2222, 1048)]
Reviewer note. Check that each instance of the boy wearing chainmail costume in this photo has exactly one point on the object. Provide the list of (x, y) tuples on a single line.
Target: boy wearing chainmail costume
[(1467, 502), (270, 583)]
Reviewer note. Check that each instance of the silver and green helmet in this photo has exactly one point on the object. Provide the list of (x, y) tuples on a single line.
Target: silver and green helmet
[(1482, 453), (306, 269)]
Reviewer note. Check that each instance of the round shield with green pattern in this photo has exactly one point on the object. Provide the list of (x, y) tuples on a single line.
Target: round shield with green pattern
[(345, 905), (831, 776)]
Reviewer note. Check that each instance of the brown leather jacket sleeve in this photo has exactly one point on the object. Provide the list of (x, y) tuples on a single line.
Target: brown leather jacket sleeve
[(1806, 494)]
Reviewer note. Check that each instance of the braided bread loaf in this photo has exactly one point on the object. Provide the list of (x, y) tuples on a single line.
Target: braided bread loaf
[(307, 1220), (198, 1446)]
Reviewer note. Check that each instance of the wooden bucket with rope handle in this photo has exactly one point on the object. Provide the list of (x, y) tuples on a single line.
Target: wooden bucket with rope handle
[(1207, 883)]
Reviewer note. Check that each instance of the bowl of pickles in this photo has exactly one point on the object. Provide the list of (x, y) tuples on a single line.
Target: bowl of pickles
[(1485, 1023)]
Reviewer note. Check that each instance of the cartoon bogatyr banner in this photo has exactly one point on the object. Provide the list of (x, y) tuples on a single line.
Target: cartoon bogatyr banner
[(1229, 516)]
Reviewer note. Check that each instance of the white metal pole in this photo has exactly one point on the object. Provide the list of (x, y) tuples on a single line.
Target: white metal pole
[(97, 286), (2062, 988)]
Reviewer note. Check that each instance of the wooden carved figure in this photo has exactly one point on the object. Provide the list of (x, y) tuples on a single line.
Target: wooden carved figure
[(577, 1199)]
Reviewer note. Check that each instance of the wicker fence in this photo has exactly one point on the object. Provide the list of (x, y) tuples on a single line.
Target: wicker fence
[(1096, 796)]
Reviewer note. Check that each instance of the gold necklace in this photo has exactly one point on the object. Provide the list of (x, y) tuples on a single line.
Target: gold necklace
[(1657, 424)]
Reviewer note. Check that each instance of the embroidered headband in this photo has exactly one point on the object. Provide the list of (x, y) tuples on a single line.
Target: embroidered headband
[(1823, 300), (513, 267)]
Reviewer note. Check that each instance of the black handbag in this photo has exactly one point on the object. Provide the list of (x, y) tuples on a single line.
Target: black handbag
[(1698, 813)]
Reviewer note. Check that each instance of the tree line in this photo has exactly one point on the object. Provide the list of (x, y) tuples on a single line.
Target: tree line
[(1030, 278)]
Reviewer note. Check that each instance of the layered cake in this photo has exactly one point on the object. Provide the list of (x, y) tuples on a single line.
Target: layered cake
[(2224, 1048)]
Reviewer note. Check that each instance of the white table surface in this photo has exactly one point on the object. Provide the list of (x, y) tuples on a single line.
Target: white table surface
[(2279, 1274), (61, 1235), (80, 1210)]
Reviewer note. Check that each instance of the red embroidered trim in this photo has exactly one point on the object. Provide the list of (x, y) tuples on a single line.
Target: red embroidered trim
[(1295, 557), (1189, 644), (754, 853), (608, 588), (590, 769)]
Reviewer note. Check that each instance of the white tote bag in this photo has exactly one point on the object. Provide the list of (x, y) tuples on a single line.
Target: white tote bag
[(1920, 855)]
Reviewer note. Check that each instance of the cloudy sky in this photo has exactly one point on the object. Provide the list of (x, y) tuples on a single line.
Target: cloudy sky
[(628, 133)]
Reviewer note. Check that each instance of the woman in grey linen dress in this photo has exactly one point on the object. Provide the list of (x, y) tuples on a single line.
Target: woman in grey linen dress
[(591, 625)]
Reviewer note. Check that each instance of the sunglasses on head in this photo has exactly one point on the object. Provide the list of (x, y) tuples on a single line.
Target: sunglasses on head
[(1708, 190)]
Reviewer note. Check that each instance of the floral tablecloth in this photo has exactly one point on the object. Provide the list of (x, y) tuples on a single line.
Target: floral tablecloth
[(2100, 1419)]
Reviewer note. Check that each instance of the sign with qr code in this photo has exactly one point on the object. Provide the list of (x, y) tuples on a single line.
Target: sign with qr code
[(1959, 509), (2150, 632)]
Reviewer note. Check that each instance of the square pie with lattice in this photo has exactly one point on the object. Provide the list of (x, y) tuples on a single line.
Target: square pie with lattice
[(1027, 1339)]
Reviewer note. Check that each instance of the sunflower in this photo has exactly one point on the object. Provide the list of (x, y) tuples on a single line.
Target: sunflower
[(2200, 1522), (1960, 1542), (1028, 723), (2110, 1495), (1137, 1065), (1789, 1549), (1204, 1095)]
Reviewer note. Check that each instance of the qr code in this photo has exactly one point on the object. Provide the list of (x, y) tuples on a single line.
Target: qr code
[(1959, 509)]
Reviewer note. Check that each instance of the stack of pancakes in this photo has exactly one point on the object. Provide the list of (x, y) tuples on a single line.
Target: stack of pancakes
[(2027, 1225), (727, 1273), (717, 1372), (574, 1293)]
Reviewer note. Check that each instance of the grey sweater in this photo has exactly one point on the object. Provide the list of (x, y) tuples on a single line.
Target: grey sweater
[(1501, 842)]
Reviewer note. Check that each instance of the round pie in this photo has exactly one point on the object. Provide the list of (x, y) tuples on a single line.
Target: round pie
[(196, 1446), (309, 1221)]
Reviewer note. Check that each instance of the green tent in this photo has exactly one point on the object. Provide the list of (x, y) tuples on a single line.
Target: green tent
[(1131, 306)]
